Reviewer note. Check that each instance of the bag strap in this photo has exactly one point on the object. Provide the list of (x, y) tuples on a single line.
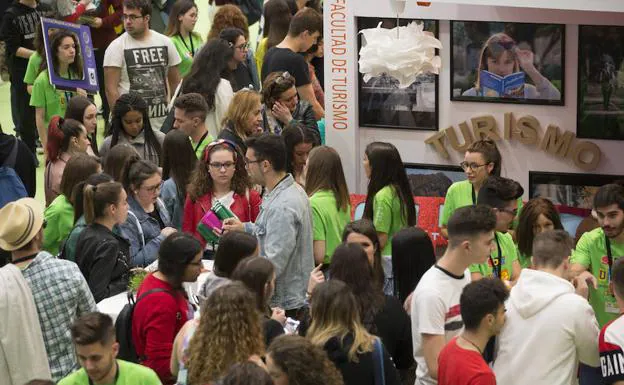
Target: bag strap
[(378, 362), (138, 224), (12, 158), (175, 95)]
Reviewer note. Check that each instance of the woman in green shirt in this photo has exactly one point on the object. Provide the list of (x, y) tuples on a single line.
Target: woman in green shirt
[(329, 199), (538, 215), (47, 100), (389, 199), (182, 20), (481, 160)]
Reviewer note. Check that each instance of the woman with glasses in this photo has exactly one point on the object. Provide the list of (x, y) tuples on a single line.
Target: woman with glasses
[(220, 175), (159, 316), (282, 106), (130, 124), (148, 222), (182, 20), (481, 160), (102, 256), (244, 72), (243, 118), (501, 56)]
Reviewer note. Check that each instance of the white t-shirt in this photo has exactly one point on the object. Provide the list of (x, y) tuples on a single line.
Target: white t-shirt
[(223, 97), (611, 356), (435, 310), (144, 65)]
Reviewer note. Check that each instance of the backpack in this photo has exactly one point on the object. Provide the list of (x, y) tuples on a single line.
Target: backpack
[(11, 186), (123, 327)]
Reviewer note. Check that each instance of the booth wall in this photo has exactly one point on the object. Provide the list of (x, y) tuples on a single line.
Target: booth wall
[(518, 159)]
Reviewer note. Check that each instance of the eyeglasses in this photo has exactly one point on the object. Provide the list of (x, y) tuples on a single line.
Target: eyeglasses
[(283, 78), (513, 212), (472, 166), (249, 161), (131, 18), (242, 47), (219, 165), (153, 189)]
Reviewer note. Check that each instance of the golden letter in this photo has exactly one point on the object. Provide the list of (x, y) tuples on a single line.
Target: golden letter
[(454, 141), (586, 147), (437, 141), (555, 143), (485, 127)]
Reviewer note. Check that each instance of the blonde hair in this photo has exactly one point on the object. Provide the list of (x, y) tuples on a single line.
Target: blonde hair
[(241, 107), (229, 332), (335, 314), (494, 47)]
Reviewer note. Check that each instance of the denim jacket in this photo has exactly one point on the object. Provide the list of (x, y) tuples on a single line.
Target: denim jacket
[(173, 202), (284, 231), (143, 232)]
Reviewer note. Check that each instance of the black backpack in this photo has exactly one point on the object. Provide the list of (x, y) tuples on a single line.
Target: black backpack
[(123, 327)]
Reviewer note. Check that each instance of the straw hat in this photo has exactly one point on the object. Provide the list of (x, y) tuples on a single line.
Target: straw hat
[(20, 221)]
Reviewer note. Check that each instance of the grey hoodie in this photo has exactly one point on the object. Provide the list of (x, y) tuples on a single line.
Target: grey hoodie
[(212, 283)]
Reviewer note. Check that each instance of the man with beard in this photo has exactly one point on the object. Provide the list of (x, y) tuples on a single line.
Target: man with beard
[(595, 253), (94, 339)]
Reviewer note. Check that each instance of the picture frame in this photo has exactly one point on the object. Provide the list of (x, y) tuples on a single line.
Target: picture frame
[(432, 180), (382, 104), (87, 78), (527, 65), (600, 82)]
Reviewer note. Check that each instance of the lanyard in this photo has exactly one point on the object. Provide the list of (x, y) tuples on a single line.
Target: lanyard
[(201, 141), (192, 49), (609, 255), (68, 94), (496, 267), (116, 375), (474, 197), (24, 259)]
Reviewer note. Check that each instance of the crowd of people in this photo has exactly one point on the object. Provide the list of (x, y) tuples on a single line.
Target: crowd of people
[(214, 152)]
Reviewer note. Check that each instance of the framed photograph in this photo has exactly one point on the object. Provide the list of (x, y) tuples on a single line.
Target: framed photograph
[(567, 189), (600, 83), (81, 71), (383, 104), (502, 62), (428, 180)]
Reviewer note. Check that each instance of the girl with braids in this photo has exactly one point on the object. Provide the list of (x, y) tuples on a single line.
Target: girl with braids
[(336, 327), (178, 163), (85, 111), (130, 124), (389, 199), (214, 84), (293, 360), (229, 332), (66, 138), (219, 175), (101, 255)]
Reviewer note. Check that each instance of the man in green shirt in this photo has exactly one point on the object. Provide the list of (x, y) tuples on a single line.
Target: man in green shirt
[(94, 339), (502, 195), (190, 117)]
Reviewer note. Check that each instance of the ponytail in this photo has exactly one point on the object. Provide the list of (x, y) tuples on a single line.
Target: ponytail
[(88, 204), (98, 198), (77, 198)]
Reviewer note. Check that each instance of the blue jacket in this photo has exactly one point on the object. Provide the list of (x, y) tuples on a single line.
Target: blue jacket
[(173, 202), (284, 231), (143, 232)]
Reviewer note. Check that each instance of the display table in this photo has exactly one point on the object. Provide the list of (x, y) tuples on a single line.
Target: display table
[(112, 306)]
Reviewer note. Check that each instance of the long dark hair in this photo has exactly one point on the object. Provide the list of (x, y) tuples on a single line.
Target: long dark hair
[(117, 158), (412, 256), (234, 246), (366, 228), (387, 170), (350, 265), (176, 252), (180, 8), (277, 18), (78, 168), (75, 110), (294, 135), (255, 273), (178, 159), (75, 68), (98, 198), (528, 216), (325, 173), (133, 102), (209, 66), (78, 192)]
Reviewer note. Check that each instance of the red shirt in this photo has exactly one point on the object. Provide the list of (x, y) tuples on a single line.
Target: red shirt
[(245, 210), (156, 321), (457, 366)]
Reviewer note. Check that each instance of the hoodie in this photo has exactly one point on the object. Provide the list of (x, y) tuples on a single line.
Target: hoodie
[(212, 283), (25, 166), (549, 328)]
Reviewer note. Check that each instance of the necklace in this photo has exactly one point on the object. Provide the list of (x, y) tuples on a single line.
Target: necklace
[(473, 344)]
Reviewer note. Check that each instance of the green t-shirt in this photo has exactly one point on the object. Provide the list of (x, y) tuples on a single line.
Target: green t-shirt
[(387, 215), (187, 48), (59, 217), (459, 194), (129, 374), (32, 70), (199, 147), (328, 223), (525, 261), (591, 252), (46, 96), (506, 259)]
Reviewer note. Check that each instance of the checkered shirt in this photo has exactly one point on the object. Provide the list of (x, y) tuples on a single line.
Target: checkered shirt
[(61, 295)]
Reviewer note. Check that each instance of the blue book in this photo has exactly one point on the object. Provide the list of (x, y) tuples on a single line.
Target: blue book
[(494, 85)]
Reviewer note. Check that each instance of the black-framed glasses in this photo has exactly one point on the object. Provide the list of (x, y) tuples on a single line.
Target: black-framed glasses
[(242, 47), (154, 188), (219, 165), (513, 212), (472, 166), (131, 18), (249, 161)]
